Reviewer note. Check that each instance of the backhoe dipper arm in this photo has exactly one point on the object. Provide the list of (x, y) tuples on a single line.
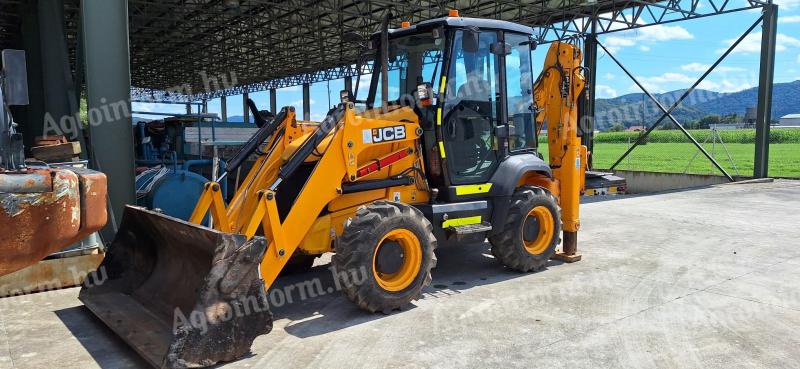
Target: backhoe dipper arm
[(556, 93)]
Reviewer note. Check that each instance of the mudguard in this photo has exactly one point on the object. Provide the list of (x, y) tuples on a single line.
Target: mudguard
[(504, 182)]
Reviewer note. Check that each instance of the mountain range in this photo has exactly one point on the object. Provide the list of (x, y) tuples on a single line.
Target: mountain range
[(630, 109)]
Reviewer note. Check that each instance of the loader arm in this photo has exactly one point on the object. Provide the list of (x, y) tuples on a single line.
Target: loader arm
[(338, 142), (556, 94)]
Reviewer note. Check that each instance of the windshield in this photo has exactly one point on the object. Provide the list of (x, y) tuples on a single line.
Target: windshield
[(413, 60)]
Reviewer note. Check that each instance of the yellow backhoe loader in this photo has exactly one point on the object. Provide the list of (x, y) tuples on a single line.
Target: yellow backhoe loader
[(443, 150)]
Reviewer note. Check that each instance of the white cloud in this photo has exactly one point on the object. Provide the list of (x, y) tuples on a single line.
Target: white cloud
[(649, 35), (299, 103), (614, 43), (726, 85), (604, 91), (363, 82), (612, 75), (789, 19), (708, 85), (669, 77), (659, 83), (733, 86), (671, 81), (787, 4), (698, 67), (752, 43), (292, 88), (664, 33)]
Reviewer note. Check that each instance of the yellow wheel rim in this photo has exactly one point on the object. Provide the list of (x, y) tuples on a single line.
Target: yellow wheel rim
[(412, 259), (542, 216)]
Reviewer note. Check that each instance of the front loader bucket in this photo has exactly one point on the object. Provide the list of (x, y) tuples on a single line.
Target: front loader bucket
[(182, 295)]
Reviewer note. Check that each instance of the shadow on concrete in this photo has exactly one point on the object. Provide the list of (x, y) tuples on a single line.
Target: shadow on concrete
[(459, 268), (105, 347)]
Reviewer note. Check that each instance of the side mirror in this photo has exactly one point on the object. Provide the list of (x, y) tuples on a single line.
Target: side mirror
[(345, 96), (353, 36), (469, 41), (500, 48), (15, 86), (425, 94), (501, 132)]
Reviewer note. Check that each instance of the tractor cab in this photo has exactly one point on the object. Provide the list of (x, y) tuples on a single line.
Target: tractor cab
[(470, 83)]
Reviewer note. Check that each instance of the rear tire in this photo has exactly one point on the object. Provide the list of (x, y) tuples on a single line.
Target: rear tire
[(384, 256), (531, 234)]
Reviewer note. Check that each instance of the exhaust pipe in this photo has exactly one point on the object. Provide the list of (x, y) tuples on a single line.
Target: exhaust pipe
[(182, 295)]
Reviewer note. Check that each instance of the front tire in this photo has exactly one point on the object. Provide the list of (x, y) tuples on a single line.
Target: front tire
[(384, 256), (531, 234)]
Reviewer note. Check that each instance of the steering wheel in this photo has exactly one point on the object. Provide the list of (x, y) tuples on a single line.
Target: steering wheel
[(469, 109)]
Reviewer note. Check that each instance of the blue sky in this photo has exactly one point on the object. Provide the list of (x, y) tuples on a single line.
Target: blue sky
[(663, 57)]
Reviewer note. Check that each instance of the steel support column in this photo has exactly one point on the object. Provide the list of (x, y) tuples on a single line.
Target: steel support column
[(273, 101), (30, 117), (61, 103), (246, 111), (765, 79), (306, 101), (348, 84), (108, 81), (223, 105)]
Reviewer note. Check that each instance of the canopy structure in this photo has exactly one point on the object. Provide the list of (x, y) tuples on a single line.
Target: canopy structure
[(199, 49)]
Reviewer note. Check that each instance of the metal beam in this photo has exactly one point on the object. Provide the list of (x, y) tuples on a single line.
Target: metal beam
[(668, 112), (223, 104), (765, 79), (306, 101), (348, 84), (273, 101), (260, 43), (61, 103), (31, 116), (108, 80), (246, 111)]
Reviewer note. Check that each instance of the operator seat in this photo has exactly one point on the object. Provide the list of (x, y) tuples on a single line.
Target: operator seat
[(472, 123)]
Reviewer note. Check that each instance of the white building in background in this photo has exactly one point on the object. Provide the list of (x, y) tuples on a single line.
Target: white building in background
[(791, 120)]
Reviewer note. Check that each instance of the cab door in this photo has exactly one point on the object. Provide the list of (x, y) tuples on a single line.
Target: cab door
[(472, 108)]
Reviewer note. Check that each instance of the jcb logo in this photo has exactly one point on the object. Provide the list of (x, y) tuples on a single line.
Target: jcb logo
[(385, 134)]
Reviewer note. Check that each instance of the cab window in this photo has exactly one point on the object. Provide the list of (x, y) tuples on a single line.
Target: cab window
[(519, 92)]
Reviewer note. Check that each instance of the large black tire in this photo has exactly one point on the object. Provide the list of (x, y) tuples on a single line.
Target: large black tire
[(354, 261), (508, 246)]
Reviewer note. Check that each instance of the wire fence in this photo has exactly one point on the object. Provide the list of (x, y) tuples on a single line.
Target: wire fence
[(670, 151)]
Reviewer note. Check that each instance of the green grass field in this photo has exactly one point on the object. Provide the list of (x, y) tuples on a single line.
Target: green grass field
[(670, 151)]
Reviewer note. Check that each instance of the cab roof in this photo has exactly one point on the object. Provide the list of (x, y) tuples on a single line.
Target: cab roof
[(461, 22)]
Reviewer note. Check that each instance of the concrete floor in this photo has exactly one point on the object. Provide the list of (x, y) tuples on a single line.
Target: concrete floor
[(691, 279)]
